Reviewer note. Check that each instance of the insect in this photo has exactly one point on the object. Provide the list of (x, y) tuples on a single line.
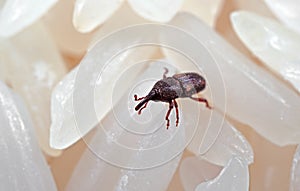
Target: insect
[(183, 85)]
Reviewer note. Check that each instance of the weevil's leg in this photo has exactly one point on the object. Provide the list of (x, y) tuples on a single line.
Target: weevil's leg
[(176, 109), (137, 99), (168, 113), (165, 73), (202, 100), (140, 110)]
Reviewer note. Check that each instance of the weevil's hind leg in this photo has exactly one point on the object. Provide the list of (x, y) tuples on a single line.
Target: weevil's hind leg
[(177, 114), (165, 73), (202, 100), (138, 99), (168, 113), (140, 110)]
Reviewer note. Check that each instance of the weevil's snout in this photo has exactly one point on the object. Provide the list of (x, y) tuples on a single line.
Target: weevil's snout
[(140, 105), (144, 101)]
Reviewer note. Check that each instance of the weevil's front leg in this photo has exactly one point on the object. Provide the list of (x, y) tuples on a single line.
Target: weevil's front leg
[(168, 113), (165, 73), (177, 114), (202, 100)]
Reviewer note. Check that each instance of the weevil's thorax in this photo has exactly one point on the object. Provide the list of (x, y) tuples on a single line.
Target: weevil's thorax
[(167, 89), (191, 83)]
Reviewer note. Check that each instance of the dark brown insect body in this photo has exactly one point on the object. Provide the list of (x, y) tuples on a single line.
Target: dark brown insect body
[(169, 88)]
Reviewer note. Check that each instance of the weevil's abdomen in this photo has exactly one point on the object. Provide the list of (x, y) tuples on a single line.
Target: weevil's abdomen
[(191, 83)]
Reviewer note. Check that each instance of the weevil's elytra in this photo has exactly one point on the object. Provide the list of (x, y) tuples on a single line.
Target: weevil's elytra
[(183, 85)]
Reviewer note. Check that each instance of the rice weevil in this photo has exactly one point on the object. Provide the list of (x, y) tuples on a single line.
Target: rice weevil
[(182, 85)]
